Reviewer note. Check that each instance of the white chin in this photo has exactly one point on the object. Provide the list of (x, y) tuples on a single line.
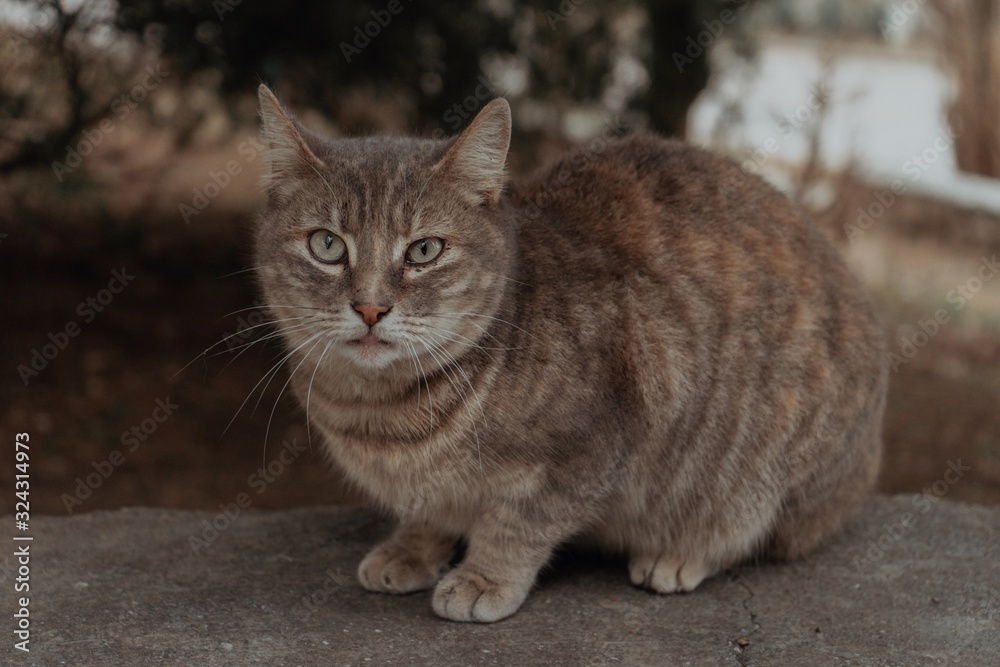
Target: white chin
[(372, 356)]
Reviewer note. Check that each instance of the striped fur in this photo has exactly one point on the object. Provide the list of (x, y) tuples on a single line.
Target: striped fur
[(640, 347)]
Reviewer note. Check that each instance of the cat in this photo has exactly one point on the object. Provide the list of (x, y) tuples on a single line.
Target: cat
[(641, 348)]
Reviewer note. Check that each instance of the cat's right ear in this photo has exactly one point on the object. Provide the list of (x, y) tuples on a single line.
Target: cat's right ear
[(287, 153)]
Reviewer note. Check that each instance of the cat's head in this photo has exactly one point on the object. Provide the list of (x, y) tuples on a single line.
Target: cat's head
[(383, 252)]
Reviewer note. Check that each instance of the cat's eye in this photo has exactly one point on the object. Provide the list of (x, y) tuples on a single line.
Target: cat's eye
[(424, 251), (327, 247)]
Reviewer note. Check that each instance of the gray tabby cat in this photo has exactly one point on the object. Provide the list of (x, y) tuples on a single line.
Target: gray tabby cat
[(641, 347)]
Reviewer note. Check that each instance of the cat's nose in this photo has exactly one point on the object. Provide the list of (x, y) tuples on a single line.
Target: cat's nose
[(370, 313)]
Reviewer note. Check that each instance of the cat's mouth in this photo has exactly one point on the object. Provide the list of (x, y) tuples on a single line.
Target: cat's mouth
[(368, 340)]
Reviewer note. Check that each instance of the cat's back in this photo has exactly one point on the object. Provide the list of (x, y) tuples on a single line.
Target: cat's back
[(647, 207), (644, 198), (656, 235)]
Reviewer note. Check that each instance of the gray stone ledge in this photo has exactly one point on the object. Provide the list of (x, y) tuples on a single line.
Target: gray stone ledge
[(125, 588)]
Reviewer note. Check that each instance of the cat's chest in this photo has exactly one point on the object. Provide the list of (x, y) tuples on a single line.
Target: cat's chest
[(442, 477), (415, 464), (396, 442)]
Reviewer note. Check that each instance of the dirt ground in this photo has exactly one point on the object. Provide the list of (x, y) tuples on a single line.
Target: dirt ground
[(191, 289)]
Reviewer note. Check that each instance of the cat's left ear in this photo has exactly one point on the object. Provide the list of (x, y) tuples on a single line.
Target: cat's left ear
[(476, 160), (287, 152)]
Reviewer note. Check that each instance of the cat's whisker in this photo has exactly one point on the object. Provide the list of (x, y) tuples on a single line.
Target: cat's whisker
[(309, 392), (263, 339), (267, 430), (268, 323), (410, 354), (483, 329), (519, 282), (430, 401), (486, 332), (395, 371), (250, 328), (268, 306), (453, 380), (246, 270), (489, 317), (280, 363), (458, 366), (471, 342), (243, 347), (494, 274), (201, 355), (273, 370), (204, 353), (278, 331), (444, 363), (443, 334)]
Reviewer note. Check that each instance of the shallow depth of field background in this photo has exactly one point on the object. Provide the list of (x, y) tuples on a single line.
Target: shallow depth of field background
[(127, 137)]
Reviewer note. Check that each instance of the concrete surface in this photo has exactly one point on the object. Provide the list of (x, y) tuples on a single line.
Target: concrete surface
[(278, 588)]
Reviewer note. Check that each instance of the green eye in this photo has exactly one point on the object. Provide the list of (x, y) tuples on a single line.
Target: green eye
[(424, 251), (327, 247)]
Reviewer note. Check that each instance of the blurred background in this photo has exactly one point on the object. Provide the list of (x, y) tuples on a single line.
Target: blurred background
[(128, 182)]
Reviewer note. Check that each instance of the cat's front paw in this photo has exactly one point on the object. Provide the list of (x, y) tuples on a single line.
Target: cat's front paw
[(392, 568), (667, 575), (465, 595)]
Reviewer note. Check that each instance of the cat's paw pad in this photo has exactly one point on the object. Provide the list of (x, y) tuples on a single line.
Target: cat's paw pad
[(389, 569), (470, 596), (667, 575)]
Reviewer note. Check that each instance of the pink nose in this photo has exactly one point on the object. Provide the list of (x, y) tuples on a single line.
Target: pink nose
[(370, 313)]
